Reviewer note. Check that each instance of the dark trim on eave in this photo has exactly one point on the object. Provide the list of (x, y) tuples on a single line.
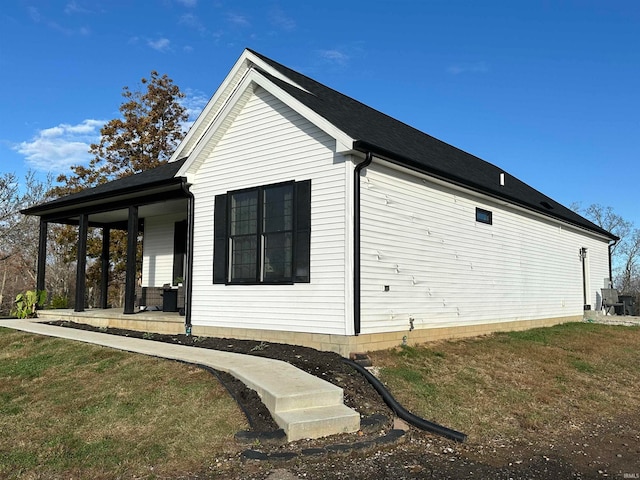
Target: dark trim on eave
[(59, 206), (383, 154)]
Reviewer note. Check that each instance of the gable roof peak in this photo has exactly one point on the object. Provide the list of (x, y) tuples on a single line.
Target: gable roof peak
[(363, 128)]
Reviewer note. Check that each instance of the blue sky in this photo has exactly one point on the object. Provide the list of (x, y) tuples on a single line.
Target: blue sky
[(549, 90)]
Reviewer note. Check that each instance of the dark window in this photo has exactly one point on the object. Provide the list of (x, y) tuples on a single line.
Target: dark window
[(484, 216), (243, 235), (262, 235)]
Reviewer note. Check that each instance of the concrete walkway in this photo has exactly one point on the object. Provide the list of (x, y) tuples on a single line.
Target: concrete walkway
[(304, 406)]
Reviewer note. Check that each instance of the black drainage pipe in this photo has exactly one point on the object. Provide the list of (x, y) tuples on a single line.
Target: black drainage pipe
[(403, 413)]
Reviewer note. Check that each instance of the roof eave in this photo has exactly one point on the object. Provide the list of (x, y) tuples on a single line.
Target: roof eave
[(364, 147), (63, 205)]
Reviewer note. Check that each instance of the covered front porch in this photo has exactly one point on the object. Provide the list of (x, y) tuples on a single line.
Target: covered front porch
[(129, 204)]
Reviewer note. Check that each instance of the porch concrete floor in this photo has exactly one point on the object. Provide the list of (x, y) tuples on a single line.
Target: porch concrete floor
[(304, 406), (152, 321)]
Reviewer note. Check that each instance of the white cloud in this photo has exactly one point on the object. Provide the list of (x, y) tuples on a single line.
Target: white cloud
[(37, 17), (55, 149), (189, 20), (281, 20), (194, 101), (478, 67), (334, 56), (74, 7), (239, 20), (188, 3), (161, 44), (34, 13)]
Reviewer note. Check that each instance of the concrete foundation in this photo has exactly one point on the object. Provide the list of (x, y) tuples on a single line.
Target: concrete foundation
[(171, 323)]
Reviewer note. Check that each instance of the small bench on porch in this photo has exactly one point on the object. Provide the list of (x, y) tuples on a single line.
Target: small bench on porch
[(165, 298)]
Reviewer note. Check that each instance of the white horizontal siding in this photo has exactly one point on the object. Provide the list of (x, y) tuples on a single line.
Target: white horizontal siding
[(267, 143), (445, 269), (157, 250)]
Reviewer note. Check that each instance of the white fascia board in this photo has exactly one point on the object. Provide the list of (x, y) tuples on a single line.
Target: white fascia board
[(344, 143), (221, 116), (250, 80), (207, 116), (258, 62)]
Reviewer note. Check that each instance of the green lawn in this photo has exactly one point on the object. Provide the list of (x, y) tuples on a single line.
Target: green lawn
[(535, 382), (69, 409)]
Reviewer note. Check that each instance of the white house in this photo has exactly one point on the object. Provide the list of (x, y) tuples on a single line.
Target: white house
[(296, 214)]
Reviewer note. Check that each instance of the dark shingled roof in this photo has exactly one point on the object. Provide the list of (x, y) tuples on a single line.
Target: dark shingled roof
[(398, 142), (163, 174), (372, 131)]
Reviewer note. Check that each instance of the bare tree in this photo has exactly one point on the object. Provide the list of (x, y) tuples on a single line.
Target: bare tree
[(629, 276), (626, 251), (18, 234)]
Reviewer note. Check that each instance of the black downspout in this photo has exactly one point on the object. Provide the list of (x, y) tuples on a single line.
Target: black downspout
[(356, 241), (189, 273), (611, 245)]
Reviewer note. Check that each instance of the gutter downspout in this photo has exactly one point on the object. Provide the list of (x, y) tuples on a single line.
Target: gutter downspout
[(189, 273), (356, 241), (611, 245)]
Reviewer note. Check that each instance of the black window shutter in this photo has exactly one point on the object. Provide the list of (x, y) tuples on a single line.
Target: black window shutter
[(302, 236), (179, 249), (220, 239)]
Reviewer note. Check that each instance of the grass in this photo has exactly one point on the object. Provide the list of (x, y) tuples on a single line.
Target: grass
[(516, 384), (74, 410), (71, 410)]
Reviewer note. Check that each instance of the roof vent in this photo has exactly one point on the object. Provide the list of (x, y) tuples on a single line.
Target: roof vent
[(502, 179), (546, 205)]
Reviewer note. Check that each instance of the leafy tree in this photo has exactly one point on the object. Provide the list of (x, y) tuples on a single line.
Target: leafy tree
[(145, 136)]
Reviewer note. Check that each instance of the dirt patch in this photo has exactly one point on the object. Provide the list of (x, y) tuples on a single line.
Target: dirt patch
[(596, 448)]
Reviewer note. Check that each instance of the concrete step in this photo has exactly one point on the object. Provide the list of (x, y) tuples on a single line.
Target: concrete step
[(303, 405), (317, 422), (283, 387)]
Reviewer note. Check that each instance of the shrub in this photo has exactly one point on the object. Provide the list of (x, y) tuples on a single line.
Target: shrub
[(27, 303)]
